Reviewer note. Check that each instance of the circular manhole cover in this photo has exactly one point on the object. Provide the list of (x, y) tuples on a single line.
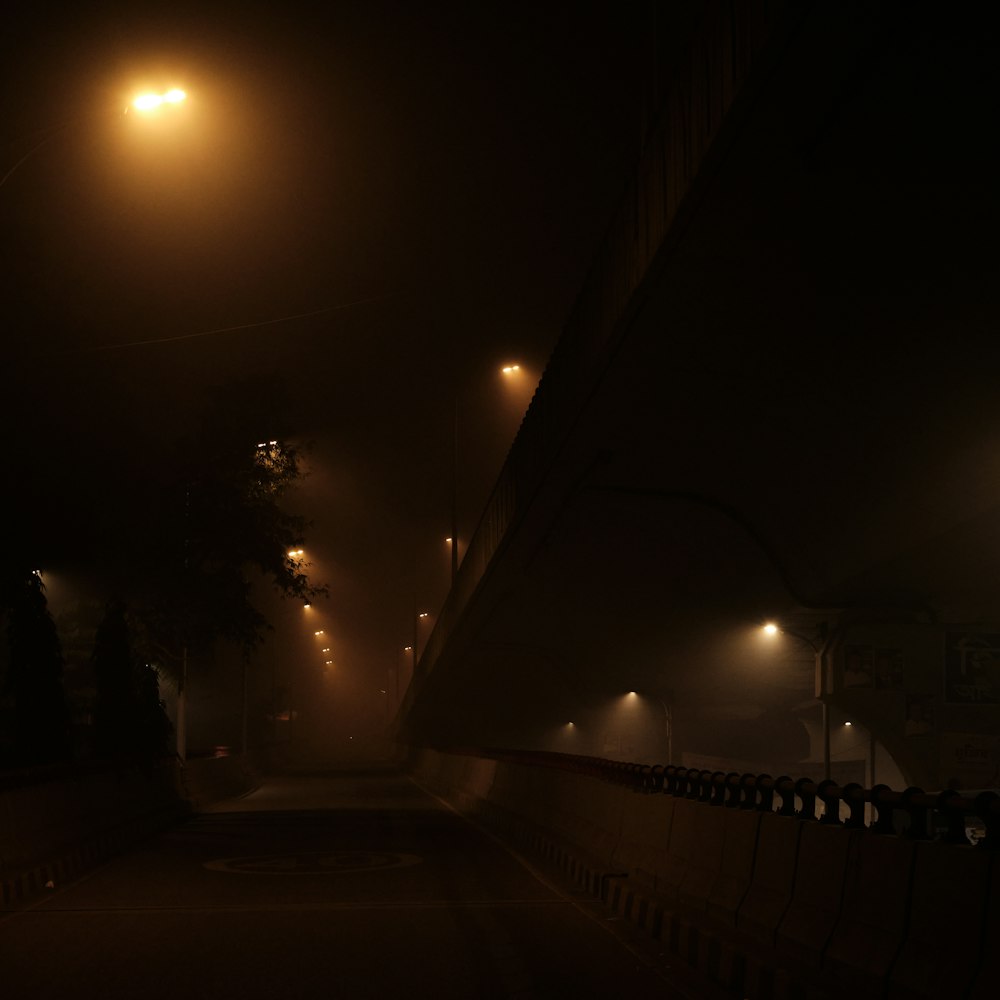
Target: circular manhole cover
[(313, 863)]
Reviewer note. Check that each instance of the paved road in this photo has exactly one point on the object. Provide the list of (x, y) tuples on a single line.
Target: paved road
[(349, 886)]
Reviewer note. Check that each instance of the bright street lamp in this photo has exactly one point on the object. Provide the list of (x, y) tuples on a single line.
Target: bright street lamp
[(145, 104), (668, 717), (818, 647), (153, 102), (507, 371)]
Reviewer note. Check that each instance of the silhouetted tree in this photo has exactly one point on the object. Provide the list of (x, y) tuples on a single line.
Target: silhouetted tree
[(209, 524), (40, 716), (180, 531), (153, 728), (130, 720), (114, 705)]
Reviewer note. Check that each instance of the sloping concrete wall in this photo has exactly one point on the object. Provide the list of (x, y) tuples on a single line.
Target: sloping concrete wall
[(762, 905)]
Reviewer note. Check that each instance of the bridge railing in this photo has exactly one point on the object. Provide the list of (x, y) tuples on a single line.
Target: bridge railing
[(757, 883), (913, 813)]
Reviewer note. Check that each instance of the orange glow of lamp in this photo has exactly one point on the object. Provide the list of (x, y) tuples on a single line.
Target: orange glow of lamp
[(153, 102)]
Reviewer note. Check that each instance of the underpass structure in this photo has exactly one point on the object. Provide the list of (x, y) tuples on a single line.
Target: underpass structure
[(773, 402)]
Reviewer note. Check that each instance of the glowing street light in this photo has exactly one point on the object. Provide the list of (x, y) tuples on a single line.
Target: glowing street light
[(153, 102), (146, 104), (818, 647), (45, 136), (507, 370), (665, 704)]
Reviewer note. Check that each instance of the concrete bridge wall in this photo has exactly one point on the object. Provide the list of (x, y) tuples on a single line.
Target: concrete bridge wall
[(763, 904)]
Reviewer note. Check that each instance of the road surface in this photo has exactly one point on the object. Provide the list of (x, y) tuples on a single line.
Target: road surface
[(350, 885)]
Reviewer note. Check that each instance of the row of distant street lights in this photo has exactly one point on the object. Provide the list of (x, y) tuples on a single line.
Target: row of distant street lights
[(297, 556), (818, 645), (152, 103), (508, 371), (412, 650)]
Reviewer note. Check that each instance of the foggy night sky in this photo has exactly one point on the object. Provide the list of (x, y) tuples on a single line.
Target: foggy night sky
[(441, 173)]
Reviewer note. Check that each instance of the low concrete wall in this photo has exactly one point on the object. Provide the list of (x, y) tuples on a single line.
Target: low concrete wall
[(765, 906), (58, 822)]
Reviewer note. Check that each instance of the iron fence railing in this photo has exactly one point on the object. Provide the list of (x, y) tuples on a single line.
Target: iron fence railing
[(912, 813)]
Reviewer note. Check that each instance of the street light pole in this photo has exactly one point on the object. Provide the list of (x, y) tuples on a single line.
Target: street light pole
[(666, 705), (144, 103), (182, 707), (819, 648), (454, 493), (508, 371), (52, 133), (668, 719)]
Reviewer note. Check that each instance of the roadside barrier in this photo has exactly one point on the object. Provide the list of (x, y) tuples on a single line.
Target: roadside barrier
[(705, 864), (815, 907), (772, 888), (986, 983), (57, 822), (947, 911), (872, 923), (682, 850), (736, 866), (773, 878)]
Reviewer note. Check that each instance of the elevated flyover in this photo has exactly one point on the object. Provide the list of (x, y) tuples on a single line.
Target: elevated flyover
[(774, 400)]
